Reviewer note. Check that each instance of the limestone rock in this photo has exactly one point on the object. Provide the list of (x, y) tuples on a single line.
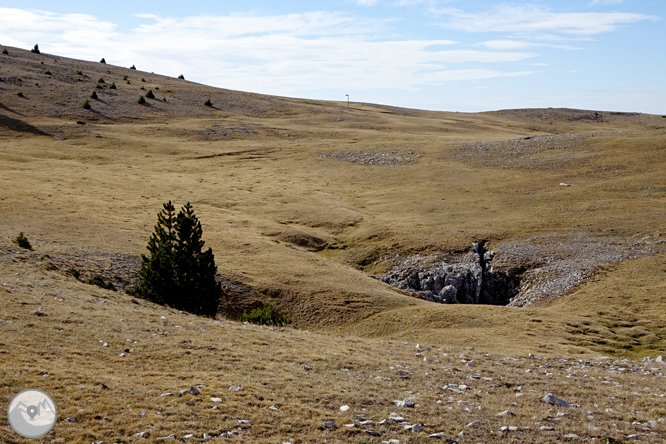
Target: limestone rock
[(552, 399)]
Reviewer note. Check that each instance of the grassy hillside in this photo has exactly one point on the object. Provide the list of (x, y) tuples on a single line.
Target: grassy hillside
[(302, 202)]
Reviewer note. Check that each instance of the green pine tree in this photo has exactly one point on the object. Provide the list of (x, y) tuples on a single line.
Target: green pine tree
[(178, 273)]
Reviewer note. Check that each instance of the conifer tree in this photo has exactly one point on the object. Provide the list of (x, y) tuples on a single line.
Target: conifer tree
[(178, 273)]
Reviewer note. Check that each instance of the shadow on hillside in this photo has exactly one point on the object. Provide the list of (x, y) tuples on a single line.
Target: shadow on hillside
[(2, 105), (19, 126)]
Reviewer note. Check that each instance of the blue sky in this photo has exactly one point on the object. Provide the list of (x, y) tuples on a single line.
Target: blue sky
[(450, 55)]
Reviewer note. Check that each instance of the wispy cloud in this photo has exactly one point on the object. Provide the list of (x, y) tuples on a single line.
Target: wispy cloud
[(605, 2), (273, 54), (514, 45), (532, 19)]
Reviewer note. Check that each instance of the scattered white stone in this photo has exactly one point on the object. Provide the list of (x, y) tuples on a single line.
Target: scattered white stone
[(659, 359), (167, 438), (572, 436), (206, 437), (275, 409), (505, 413), (145, 434), (194, 390), (216, 399), (473, 423), (244, 421), (405, 403), (329, 424), (188, 436), (344, 408), (552, 399), (437, 435), (234, 388), (166, 394), (397, 419), (417, 428), (564, 184), (546, 428)]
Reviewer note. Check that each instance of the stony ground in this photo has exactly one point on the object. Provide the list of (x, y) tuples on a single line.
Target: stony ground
[(122, 370)]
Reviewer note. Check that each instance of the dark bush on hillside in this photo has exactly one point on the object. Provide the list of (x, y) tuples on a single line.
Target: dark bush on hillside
[(132, 67), (100, 282), (86, 105), (208, 103), (5, 52), (48, 73), (150, 95), (141, 100), (20, 94), (178, 273), (102, 61), (35, 50), (22, 241), (264, 316), (113, 85), (75, 272), (100, 80), (93, 95), (79, 73), (143, 80), (181, 77)]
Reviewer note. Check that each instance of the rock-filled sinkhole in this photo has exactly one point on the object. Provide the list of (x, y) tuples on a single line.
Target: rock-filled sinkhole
[(472, 282)]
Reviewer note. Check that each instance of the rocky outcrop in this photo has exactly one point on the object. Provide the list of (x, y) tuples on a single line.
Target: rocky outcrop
[(472, 282)]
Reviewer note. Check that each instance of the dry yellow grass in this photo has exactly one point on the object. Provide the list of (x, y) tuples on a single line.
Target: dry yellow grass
[(292, 214)]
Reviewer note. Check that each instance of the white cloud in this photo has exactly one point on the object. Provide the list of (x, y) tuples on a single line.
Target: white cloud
[(367, 2), (532, 19), (605, 2), (520, 44), (272, 54)]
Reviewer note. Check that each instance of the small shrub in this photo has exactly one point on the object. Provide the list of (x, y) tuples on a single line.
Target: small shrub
[(208, 103), (5, 52), (141, 100), (143, 80), (132, 67), (128, 82), (150, 95), (35, 50), (100, 80), (163, 99), (22, 241), (20, 94), (79, 73), (80, 122), (100, 282), (157, 88), (74, 272), (113, 85), (181, 77), (125, 78), (102, 61), (264, 316), (108, 72), (48, 73), (99, 86), (93, 95), (86, 105)]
